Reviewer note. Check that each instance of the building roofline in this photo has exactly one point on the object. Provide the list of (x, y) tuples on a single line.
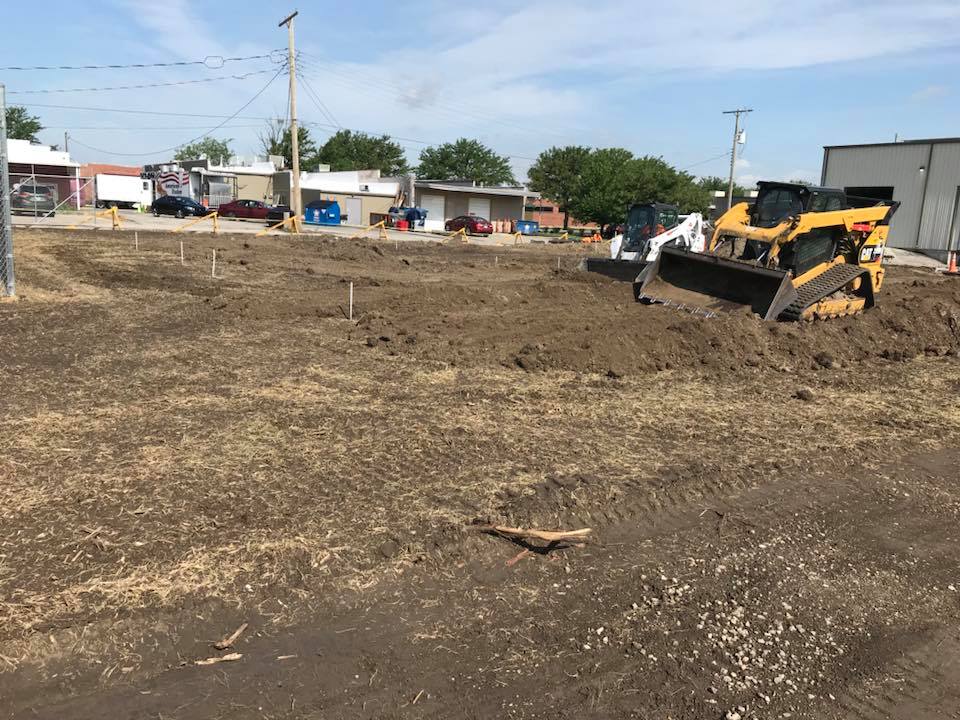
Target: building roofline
[(925, 141), (477, 189)]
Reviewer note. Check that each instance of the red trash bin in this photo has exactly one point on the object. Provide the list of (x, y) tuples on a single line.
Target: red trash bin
[(403, 225)]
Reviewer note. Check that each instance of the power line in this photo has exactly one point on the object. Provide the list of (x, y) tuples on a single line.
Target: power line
[(704, 162), (321, 106), (211, 130), (242, 76), (131, 128), (213, 62), (138, 112)]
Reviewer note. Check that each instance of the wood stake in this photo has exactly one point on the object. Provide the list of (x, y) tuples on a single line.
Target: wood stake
[(181, 252), (350, 315), (136, 240), (213, 267)]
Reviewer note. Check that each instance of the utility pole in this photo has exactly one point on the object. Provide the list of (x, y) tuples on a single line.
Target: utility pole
[(66, 141), (733, 153), (294, 138)]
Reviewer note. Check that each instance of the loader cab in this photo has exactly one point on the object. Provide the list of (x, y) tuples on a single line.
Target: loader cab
[(646, 221), (777, 201)]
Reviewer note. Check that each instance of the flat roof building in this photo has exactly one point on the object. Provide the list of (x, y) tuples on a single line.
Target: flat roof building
[(922, 175)]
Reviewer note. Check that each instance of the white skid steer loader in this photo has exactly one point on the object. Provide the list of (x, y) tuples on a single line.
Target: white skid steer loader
[(649, 227)]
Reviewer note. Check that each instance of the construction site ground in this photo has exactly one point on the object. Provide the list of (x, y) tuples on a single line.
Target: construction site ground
[(774, 507)]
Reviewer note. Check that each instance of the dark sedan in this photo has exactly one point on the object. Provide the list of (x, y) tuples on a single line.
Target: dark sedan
[(178, 207), (473, 224), (33, 200), (277, 213)]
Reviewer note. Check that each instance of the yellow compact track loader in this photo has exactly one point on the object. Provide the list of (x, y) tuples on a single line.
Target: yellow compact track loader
[(796, 253)]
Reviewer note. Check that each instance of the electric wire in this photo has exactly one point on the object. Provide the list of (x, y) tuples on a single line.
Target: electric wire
[(213, 62), (208, 132), (197, 81)]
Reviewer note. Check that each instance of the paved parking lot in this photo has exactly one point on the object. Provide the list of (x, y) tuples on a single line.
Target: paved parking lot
[(133, 220)]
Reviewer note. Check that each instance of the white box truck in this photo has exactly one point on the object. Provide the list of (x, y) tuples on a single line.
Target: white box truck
[(124, 191)]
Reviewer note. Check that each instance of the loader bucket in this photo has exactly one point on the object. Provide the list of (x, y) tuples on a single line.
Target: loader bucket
[(624, 270), (713, 284)]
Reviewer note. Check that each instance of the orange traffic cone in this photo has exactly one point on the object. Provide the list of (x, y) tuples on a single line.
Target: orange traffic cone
[(952, 264)]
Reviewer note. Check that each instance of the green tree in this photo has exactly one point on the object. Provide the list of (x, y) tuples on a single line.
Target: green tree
[(275, 140), (465, 160), (21, 125), (713, 183), (349, 150), (605, 188), (208, 147), (556, 175), (613, 179)]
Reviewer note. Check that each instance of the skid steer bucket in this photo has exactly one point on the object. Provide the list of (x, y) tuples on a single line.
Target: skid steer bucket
[(624, 270), (713, 284)]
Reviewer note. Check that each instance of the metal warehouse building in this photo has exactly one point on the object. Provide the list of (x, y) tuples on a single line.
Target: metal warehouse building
[(923, 175)]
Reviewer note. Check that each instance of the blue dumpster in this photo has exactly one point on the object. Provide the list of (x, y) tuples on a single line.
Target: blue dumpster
[(322, 212), (528, 227)]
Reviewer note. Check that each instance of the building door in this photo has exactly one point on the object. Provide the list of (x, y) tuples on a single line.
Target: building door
[(479, 206), (435, 206), (953, 240), (353, 209)]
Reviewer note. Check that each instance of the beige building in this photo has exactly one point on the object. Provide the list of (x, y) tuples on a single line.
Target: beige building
[(364, 197), (446, 199)]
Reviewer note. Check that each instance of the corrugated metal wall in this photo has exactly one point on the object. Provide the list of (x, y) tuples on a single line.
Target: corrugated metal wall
[(880, 166), (939, 205)]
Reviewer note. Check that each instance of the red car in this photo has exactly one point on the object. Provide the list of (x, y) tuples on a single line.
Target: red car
[(473, 224), (254, 209)]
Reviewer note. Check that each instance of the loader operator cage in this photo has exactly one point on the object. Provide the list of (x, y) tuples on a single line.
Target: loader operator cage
[(647, 221)]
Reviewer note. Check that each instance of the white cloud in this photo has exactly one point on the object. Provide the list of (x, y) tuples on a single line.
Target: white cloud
[(930, 92), (509, 75)]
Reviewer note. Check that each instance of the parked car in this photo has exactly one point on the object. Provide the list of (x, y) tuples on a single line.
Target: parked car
[(473, 224), (276, 213), (33, 199), (253, 209), (178, 206)]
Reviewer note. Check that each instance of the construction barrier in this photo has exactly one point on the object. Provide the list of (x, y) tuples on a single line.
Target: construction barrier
[(462, 232), (293, 220), (112, 213), (214, 216), (383, 231)]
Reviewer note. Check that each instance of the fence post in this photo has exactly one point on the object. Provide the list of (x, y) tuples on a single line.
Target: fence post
[(6, 225)]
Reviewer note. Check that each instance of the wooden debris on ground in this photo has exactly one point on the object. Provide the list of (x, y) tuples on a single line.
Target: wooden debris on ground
[(550, 536), (229, 657), (230, 639)]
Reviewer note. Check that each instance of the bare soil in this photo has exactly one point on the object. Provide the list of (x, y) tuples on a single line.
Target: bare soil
[(774, 507)]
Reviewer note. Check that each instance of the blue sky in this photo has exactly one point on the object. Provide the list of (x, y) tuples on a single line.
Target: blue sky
[(649, 76)]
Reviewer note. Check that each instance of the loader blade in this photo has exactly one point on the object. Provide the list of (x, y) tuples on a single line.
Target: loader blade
[(713, 284), (624, 270)]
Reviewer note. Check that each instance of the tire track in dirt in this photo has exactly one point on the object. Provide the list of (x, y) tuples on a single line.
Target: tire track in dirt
[(923, 684)]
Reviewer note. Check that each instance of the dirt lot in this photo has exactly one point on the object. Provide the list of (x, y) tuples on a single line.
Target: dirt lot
[(774, 507)]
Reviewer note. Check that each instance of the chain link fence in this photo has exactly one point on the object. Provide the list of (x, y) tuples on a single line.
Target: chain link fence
[(6, 225)]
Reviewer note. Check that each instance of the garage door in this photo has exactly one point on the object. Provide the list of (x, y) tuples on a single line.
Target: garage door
[(479, 206), (435, 207)]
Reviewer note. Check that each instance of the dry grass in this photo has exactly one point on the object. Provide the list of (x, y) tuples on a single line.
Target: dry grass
[(156, 450)]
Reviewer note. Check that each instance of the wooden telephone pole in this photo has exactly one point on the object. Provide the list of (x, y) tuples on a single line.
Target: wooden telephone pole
[(733, 153), (295, 200)]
